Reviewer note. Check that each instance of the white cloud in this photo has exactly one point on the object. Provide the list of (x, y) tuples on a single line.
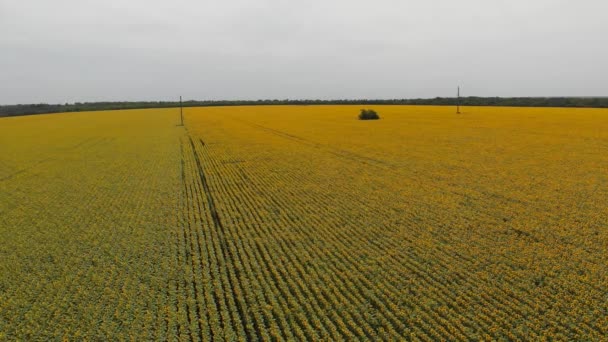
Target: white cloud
[(85, 50)]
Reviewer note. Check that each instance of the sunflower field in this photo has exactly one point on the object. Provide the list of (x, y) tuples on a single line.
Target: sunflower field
[(304, 223)]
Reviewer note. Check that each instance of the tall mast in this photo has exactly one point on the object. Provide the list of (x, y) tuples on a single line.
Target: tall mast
[(181, 110), (458, 100)]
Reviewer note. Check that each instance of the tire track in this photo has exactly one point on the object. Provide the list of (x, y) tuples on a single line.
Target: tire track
[(227, 253), (333, 150)]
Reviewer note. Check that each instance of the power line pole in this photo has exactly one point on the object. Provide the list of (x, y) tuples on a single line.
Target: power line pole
[(181, 110), (458, 101)]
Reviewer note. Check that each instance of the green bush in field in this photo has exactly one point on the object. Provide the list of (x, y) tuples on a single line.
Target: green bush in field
[(368, 114)]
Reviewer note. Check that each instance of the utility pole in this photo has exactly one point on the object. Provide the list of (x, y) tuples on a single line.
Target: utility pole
[(181, 110), (458, 101)]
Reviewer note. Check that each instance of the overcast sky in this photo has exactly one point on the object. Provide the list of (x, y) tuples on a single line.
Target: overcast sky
[(90, 50)]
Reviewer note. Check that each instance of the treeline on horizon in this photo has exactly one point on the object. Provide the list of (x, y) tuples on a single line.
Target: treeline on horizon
[(43, 108)]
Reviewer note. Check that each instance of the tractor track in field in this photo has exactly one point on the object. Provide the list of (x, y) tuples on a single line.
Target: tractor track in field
[(85, 144), (217, 222), (332, 150), (389, 167), (199, 235), (26, 169)]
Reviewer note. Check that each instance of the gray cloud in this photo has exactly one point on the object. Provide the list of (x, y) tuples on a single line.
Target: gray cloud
[(86, 50)]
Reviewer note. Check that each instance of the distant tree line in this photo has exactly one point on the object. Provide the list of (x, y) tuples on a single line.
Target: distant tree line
[(585, 102)]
